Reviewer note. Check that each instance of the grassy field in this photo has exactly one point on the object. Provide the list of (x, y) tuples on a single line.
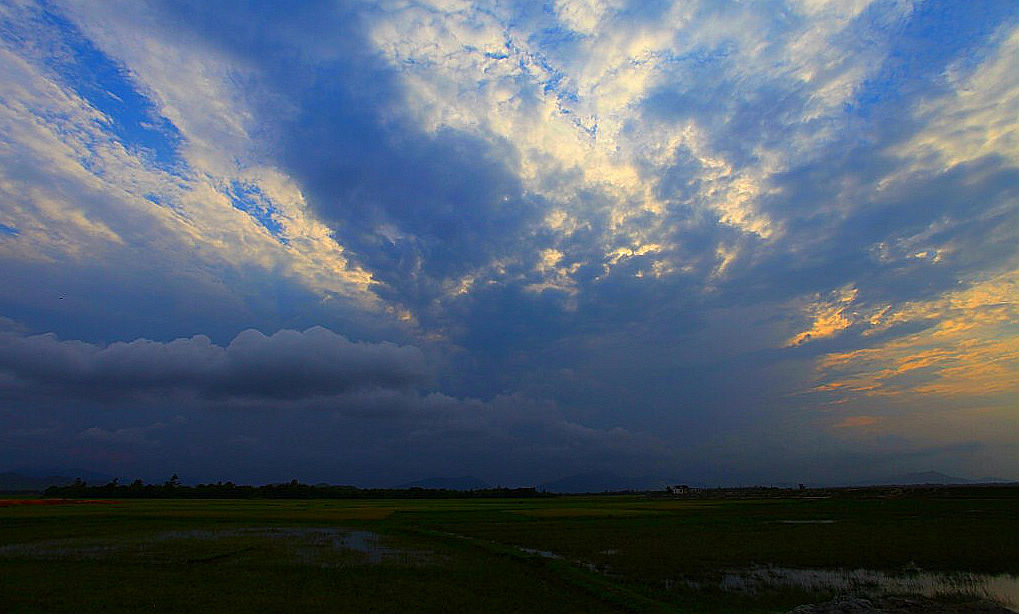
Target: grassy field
[(563, 554)]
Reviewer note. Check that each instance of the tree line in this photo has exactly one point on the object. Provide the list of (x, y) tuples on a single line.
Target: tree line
[(174, 489)]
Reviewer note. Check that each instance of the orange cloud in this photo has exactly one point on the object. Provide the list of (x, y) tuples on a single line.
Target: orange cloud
[(972, 348), (829, 316)]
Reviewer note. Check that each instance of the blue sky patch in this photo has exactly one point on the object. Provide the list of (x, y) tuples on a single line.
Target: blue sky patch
[(109, 87), (251, 200)]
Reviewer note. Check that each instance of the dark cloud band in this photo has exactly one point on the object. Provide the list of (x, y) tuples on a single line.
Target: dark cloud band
[(286, 365)]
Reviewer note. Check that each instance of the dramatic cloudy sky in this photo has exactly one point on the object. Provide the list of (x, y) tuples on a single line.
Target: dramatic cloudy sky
[(375, 241)]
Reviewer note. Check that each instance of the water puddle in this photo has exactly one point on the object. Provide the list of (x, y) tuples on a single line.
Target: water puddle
[(545, 554), (1003, 589), (368, 543), (542, 553), (62, 548), (309, 541)]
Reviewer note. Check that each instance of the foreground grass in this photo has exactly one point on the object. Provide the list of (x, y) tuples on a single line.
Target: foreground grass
[(598, 554)]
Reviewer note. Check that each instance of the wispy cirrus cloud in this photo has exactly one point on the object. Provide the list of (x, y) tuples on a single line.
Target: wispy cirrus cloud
[(87, 178)]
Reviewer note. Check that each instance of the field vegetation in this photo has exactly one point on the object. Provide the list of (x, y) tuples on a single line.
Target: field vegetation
[(638, 552)]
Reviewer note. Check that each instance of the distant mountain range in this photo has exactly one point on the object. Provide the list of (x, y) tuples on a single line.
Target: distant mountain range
[(92, 477), (930, 477), (467, 482), (609, 482), (17, 482), (27, 480), (601, 482), (38, 480)]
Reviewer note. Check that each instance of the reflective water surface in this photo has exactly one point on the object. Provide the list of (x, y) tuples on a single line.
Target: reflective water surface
[(1003, 588), (323, 546)]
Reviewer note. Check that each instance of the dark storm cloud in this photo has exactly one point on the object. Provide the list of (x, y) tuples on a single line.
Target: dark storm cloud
[(263, 403), (415, 207), (418, 209), (286, 365), (137, 279)]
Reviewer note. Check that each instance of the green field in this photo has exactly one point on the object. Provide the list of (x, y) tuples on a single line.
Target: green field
[(561, 554)]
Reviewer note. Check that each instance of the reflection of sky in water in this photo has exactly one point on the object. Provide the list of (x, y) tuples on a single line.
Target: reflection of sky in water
[(1002, 588), (368, 543)]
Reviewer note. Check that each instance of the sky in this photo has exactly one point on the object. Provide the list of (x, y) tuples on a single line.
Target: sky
[(371, 242)]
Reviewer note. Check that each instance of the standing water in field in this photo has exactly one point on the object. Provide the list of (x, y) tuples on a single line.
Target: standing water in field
[(323, 546), (1003, 589), (368, 542)]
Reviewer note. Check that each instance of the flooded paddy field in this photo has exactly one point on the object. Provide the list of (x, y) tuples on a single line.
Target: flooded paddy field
[(628, 553)]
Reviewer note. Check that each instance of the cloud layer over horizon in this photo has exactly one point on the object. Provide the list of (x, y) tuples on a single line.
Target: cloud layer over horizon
[(698, 240)]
